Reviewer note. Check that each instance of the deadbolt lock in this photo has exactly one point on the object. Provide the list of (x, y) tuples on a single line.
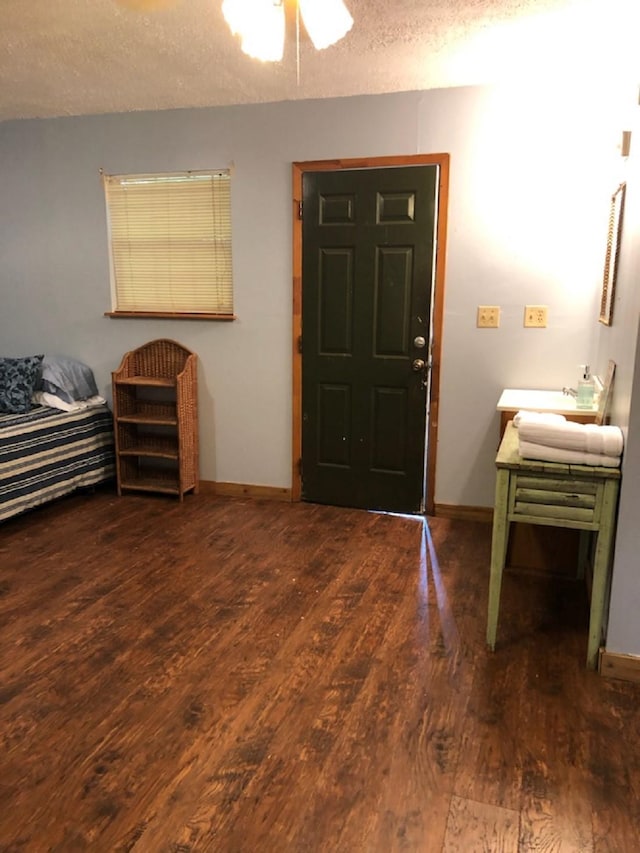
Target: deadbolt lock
[(419, 342)]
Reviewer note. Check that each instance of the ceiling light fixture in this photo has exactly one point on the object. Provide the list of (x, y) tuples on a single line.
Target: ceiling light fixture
[(261, 24)]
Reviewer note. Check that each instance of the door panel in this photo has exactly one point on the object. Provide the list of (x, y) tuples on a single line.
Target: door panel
[(393, 301), (334, 423), (367, 273), (388, 428), (335, 292)]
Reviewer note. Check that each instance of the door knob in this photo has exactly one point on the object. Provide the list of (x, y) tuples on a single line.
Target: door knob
[(419, 342), (417, 364)]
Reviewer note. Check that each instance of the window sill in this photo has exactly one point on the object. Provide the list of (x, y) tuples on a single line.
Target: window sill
[(167, 315)]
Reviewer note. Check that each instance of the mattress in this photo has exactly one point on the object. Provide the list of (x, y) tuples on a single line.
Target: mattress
[(47, 453)]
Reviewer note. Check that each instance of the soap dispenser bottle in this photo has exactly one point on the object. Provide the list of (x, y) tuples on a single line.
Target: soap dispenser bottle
[(586, 389)]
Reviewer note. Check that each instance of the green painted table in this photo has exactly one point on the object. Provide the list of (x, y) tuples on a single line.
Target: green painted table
[(556, 494)]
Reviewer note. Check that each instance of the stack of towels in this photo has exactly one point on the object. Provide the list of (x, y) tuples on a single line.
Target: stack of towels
[(555, 439)]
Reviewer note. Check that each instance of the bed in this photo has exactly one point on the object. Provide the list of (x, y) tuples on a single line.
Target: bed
[(55, 438)]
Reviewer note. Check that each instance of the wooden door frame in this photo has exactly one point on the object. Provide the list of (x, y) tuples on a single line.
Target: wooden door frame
[(441, 160)]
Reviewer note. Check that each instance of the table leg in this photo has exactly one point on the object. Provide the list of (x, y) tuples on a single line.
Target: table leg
[(601, 563), (499, 541)]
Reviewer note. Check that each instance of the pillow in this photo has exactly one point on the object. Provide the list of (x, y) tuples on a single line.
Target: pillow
[(67, 378), (18, 379)]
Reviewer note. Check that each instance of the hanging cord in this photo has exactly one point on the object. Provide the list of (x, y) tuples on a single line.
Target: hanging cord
[(298, 44)]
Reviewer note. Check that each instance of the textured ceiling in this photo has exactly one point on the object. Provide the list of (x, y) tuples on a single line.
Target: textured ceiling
[(74, 57)]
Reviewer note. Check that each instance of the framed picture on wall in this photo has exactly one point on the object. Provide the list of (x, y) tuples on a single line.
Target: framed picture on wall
[(616, 213)]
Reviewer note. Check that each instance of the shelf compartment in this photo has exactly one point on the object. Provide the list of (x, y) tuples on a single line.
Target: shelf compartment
[(131, 406), (164, 448), (148, 471)]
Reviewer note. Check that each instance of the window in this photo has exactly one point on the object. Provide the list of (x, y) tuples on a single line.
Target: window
[(170, 242)]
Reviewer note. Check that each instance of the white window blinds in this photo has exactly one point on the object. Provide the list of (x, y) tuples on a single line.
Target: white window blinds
[(170, 239)]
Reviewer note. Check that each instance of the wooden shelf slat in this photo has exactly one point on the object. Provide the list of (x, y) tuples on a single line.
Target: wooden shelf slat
[(150, 420), (150, 452), (149, 381), (151, 484)]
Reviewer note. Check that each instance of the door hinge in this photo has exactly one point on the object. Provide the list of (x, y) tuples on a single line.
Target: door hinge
[(300, 466), (299, 210), (300, 344)]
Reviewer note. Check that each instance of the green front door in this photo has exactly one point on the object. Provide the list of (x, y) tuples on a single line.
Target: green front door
[(367, 267)]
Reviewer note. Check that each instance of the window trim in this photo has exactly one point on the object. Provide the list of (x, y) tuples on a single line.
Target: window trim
[(166, 315)]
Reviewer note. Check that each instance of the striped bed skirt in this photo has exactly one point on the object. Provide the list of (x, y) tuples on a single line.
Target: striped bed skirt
[(47, 453)]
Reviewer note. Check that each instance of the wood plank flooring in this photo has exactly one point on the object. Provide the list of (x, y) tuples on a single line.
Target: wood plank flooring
[(233, 675)]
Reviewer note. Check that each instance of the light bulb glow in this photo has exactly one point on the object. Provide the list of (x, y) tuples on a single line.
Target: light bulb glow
[(234, 13), (260, 25), (326, 21)]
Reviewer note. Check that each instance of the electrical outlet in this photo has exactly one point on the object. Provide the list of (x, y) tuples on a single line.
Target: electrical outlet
[(535, 316), (488, 317)]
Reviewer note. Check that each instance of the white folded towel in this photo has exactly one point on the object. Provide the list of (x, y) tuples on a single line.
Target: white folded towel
[(531, 450), (43, 398), (538, 418), (584, 438)]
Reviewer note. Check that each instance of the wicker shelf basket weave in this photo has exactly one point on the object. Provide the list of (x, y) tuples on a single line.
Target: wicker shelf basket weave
[(155, 407)]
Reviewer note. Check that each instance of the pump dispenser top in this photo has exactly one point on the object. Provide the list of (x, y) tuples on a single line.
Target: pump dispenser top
[(586, 388)]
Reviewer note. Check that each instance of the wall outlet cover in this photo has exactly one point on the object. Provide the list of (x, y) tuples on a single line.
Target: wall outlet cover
[(535, 316), (488, 317)]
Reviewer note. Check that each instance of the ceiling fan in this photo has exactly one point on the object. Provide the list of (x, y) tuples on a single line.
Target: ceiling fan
[(261, 23)]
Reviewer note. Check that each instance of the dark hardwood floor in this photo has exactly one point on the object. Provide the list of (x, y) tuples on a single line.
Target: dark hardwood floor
[(236, 675)]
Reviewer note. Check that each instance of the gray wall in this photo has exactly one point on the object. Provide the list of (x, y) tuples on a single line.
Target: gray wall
[(623, 633), (619, 342), (531, 174)]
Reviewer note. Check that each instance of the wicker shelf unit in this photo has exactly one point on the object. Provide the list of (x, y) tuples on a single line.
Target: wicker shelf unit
[(155, 408)]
